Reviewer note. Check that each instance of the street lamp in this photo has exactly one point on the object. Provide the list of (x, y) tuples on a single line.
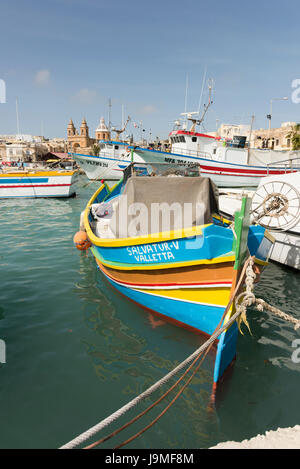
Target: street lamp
[(269, 116)]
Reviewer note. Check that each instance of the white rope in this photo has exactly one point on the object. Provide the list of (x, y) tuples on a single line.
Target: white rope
[(104, 423), (247, 299)]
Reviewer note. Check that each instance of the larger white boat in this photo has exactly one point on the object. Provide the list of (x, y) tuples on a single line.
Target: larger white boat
[(227, 166)]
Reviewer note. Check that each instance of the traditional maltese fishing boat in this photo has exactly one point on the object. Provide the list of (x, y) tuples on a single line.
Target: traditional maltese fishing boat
[(158, 239)]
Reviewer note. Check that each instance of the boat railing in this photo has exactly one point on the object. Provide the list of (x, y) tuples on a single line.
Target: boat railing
[(114, 155), (193, 153), (289, 165)]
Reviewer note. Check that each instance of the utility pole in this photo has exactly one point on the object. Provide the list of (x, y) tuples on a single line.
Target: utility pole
[(250, 135), (17, 115), (251, 128)]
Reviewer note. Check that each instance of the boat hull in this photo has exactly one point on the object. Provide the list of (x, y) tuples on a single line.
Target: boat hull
[(104, 167), (194, 296), (35, 184), (223, 174)]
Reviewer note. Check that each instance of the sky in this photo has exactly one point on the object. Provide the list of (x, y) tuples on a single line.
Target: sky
[(64, 59)]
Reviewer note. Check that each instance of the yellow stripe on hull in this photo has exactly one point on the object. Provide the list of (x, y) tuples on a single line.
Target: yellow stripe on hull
[(217, 296), (26, 174)]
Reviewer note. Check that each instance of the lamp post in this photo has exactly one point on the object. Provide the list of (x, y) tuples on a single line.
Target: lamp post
[(269, 116)]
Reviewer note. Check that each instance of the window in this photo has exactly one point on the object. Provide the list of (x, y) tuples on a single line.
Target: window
[(288, 142), (116, 147), (194, 139), (277, 142)]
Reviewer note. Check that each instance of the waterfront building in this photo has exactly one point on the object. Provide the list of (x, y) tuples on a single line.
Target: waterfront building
[(275, 139)]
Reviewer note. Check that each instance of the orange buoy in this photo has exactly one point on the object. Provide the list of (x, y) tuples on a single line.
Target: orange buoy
[(81, 241)]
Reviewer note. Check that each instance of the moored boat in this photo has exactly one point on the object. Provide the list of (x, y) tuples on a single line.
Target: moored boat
[(227, 166), (185, 272), (113, 158), (34, 183)]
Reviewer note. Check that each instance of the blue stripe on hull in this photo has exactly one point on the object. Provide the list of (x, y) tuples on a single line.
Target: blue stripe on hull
[(23, 180)]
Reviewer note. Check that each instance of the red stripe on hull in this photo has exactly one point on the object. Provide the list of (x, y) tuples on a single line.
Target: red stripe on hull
[(246, 172)]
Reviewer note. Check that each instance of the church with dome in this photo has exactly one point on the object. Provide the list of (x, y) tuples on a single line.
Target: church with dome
[(81, 141)]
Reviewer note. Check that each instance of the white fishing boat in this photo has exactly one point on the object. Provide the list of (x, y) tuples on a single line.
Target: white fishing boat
[(276, 206), (113, 158), (227, 166), (32, 183)]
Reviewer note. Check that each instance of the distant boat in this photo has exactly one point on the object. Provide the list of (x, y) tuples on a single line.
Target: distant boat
[(185, 272), (32, 183), (109, 165)]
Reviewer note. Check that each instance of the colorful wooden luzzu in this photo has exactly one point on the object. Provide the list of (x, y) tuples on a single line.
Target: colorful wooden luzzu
[(187, 276)]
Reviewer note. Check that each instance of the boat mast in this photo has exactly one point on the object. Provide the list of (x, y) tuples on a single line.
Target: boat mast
[(190, 114), (185, 100), (109, 114), (203, 83)]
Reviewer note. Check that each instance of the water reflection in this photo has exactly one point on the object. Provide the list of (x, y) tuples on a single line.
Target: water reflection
[(128, 353)]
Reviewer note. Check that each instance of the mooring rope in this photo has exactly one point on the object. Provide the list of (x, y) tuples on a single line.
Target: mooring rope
[(248, 298), (97, 428), (242, 301), (141, 414)]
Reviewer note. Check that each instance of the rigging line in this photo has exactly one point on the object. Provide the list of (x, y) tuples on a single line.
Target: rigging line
[(141, 414), (203, 82), (167, 407), (107, 421)]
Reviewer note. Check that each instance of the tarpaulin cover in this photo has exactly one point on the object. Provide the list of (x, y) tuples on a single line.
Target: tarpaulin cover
[(156, 204)]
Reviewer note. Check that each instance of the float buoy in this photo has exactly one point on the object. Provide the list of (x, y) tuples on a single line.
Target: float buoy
[(81, 241)]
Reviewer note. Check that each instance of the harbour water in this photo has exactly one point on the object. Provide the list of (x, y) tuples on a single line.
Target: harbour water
[(76, 351)]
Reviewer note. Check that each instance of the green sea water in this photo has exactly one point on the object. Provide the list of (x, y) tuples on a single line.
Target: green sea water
[(76, 351)]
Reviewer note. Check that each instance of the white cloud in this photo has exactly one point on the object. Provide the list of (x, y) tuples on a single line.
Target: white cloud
[(149, 109), (85, 96), (42, 77)]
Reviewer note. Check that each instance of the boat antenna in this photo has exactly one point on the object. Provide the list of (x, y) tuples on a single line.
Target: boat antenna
[(206, 106), (185, 100), (203, 83), (109, 114)]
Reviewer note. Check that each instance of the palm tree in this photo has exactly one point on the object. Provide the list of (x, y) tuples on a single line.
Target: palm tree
[(295, 137), (95, 150)]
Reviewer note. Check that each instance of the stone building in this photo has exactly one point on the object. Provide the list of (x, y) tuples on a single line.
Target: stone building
[(275, 139), (228, 131)]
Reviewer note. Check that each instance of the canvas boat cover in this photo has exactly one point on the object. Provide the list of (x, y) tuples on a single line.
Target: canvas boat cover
[(157, 204)]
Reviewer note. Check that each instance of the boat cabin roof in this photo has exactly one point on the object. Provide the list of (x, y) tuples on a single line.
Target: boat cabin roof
[(191, 134)]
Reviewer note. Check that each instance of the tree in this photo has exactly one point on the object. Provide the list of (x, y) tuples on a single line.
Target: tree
[(96, 149), (294, 135)]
